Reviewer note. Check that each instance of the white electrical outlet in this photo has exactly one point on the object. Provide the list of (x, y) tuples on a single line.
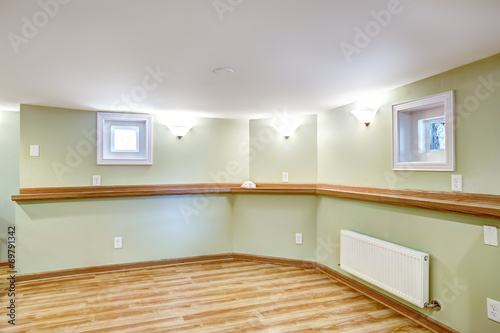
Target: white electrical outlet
[(298, 239), (118, 243), (456, 182), (96, 180), (493, 310), (490, 235), (34, 150), (285, 177)]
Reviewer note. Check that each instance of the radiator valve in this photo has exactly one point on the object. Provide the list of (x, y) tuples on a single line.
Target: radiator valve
[(433, 305)]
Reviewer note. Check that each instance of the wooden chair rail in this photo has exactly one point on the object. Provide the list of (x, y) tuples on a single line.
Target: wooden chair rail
[(484, 205)]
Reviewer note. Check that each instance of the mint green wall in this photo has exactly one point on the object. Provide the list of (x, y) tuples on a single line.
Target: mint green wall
[(267, 224), (350, 153), (79, 233), (9, 181), (209, 153), (271, 154), (463, 271)]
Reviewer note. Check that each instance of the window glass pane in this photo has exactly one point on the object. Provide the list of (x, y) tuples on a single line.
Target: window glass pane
[(125, 139), (437, 134)]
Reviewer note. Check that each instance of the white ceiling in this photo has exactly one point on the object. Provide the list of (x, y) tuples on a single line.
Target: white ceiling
[(286, 54)]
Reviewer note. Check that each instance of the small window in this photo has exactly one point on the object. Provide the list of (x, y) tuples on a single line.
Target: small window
[(423, 134), (124, 139)]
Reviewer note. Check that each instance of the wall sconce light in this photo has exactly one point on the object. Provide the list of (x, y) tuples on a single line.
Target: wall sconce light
[(285, 126), (368, 107), (179, 131), (365, 115)]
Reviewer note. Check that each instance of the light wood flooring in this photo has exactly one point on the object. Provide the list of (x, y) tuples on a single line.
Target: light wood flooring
[(227, 296)]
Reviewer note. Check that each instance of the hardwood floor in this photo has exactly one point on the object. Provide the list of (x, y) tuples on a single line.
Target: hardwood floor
[(225, 296)]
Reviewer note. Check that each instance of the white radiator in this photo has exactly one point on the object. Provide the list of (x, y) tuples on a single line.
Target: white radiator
[(399, 270)]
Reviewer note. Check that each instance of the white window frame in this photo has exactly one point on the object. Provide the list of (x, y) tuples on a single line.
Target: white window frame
[(403, 134), (107, 156)]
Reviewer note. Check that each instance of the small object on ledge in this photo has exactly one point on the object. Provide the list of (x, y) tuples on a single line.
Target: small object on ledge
[(248, 184)]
